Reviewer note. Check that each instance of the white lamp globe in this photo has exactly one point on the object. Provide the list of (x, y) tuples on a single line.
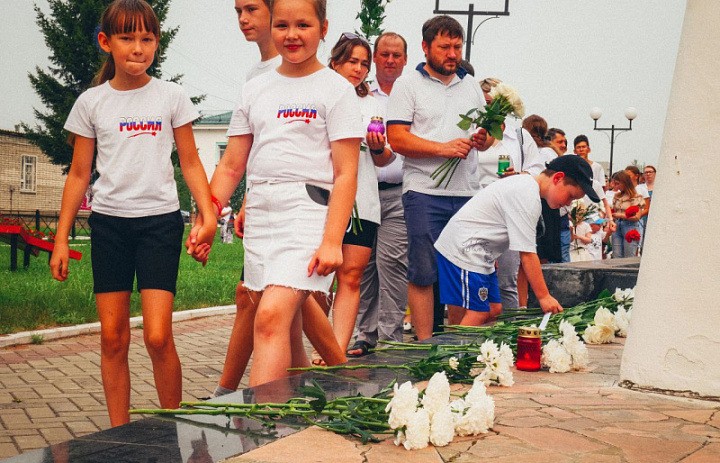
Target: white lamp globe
[(596, 113), (630, 113)]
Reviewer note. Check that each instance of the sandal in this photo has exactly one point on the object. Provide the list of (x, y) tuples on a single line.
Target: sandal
[(317, 360), (362, 346)]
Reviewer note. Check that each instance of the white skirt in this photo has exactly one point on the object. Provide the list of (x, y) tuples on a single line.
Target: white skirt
[(284, 227)]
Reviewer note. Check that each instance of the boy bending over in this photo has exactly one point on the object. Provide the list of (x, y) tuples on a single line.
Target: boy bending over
[(504, 215)]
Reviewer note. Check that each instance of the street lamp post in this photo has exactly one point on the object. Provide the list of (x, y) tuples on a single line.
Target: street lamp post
[(630, 115), (471, 13)]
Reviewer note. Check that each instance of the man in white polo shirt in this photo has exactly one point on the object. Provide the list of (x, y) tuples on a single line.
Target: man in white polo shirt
[(423, 112), (383, 290)]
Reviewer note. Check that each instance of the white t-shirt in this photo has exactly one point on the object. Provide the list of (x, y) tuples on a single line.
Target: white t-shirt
[(582, 229), (595, 246), (393, 172), (134, 133), (533, 163), (546, 154), (502, 216), (642, 190), (262, 67), (293, 121), (431, 109), (367, 198), (488, 163)]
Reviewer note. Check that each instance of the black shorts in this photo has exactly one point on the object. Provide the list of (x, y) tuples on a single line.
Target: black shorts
[(149, 246), (363, 234)]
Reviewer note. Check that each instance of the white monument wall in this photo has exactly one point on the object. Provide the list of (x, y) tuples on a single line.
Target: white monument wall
[(674, 337)]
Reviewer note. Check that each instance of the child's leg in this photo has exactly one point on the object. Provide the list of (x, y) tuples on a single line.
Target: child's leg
[(318, 330), (157, 329), (347, 297), (272, 345), (114, 313), (475, 318), (240, 346), (522, 287), (455, 314), (297, 348)]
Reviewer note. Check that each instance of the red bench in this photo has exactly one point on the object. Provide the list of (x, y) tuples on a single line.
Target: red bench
[(19, 238)]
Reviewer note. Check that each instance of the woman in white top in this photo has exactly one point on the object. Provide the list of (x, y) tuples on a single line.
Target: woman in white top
[(351, 57)]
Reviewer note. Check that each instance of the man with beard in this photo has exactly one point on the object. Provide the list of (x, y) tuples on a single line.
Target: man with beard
[(383, 290), (422, 126)]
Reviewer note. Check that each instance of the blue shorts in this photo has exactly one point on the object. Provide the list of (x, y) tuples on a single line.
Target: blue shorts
[(425, 217), (462, 288)]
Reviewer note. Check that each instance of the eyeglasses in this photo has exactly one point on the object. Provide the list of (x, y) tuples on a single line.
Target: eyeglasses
[(649, 172), (350, 36)]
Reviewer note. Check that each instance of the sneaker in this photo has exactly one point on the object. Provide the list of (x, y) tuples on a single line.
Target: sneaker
[(407, 327)]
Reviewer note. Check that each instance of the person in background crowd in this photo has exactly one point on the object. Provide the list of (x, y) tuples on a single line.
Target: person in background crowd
[(582, 148), (649, 176), (641, 188), (383, 290), (623, 242), (559, 141)]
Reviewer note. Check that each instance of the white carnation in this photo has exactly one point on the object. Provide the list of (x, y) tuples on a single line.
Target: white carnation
[(624, 295), (475, 371), (599, 334), (622, 321), (403, 405), (453, 363), (556, 357), (498, 361), (580, 355), (417, 433), (437, 394), (442, 427)]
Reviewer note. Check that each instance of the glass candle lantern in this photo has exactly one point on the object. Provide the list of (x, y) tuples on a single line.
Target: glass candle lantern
[(376, 125), (503, 163), (529, 349)]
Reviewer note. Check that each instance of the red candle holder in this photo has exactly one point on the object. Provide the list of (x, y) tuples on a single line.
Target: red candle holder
[(529, 349)]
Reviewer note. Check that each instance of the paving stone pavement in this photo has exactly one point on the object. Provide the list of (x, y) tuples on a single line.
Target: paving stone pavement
[(50, 393)]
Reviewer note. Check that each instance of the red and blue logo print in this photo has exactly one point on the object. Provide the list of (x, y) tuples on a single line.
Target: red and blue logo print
[(136, 126), (297, 113)]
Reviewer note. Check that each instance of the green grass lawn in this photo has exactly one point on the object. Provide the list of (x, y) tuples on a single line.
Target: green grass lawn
[(30, 298)]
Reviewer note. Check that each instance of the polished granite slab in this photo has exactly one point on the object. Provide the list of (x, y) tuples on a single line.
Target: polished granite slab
[(207, 439)]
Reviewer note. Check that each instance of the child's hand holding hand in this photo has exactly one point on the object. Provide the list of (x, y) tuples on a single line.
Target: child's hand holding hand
[(326, 259), (198, 243)]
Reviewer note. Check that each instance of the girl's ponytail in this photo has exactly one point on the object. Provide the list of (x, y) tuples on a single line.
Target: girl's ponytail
[(106, 72)]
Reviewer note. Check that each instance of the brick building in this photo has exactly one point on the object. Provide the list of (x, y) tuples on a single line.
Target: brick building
[(28, 180)]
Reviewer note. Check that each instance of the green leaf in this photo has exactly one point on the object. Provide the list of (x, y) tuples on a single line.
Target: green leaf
[(496, 132), (317, 393)]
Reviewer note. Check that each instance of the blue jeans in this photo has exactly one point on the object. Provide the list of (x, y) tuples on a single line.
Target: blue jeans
[(565, 238), (621, 248)]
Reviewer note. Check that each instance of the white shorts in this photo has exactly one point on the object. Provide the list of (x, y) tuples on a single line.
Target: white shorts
[(284, 227)]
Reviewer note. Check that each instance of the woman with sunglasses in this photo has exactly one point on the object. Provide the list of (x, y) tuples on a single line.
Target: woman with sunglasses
[(351, 57)]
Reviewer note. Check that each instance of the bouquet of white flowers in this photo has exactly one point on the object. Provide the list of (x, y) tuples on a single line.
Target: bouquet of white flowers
[(506, 101)]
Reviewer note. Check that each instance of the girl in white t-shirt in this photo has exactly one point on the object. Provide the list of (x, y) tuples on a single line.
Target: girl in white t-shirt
[(133, 119), (254, 22), (297, 130), (351, 57)]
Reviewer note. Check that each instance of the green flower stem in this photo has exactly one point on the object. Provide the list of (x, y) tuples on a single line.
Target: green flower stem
[(350, 367)]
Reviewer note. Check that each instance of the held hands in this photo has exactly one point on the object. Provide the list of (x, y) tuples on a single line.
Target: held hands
[(59, 261), (550, 304), (326, 259), (375, 141), (199, 241)]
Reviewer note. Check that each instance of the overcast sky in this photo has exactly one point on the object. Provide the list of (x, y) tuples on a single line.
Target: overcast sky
[(563, 56)]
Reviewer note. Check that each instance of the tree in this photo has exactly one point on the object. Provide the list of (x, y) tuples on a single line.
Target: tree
[(70, 31), (371, 16)]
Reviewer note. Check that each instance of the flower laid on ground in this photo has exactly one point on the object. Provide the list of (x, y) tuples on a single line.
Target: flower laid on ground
[(505, 101), (621, 321), (603, 331), (498, 361), (436, 420), (623, 295), (631, 211), (567, 353), (632, 235)]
